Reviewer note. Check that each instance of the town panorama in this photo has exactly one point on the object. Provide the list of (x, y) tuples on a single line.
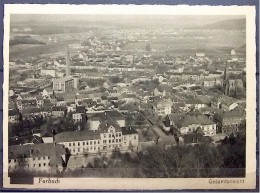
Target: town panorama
[(127, 96)]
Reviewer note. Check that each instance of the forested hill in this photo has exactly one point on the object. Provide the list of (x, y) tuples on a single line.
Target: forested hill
[(233, 24)]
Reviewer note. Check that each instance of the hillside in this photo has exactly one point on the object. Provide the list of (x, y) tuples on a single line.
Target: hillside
[(233, 24)]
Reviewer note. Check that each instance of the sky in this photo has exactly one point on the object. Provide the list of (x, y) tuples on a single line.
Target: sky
[(172, 19)]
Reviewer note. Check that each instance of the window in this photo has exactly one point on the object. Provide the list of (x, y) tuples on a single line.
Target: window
[(109, 141), (104, 141), (49, 157), (109, 135), (44, 164), (69, 144), (94, 142), (104, 135), (113, 141), (78, 149), (73, 144), (39, 165), (33, 165), (119, 140), (83, 143), (87, 143), (134, 136), (78, 143), (39, 158), (43, 158), (97, 142), (33, 158), (116, 140), (119, 134), (90, 142)]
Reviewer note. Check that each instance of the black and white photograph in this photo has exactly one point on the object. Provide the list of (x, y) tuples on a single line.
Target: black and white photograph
[(129, 96)]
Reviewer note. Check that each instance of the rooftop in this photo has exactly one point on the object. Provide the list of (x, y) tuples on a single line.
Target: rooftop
[(71, 136), (35, 150)]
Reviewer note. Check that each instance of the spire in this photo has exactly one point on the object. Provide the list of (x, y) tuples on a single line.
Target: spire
[(225, 80), (226, 75)]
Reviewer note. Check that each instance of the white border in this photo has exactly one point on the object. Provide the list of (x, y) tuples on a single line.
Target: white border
[(137, 183)]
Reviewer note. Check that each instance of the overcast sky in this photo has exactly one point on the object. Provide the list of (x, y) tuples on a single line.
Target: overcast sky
[(184, 20)]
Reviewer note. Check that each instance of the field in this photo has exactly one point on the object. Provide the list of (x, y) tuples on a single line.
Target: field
[(183, 42), (188, 42)]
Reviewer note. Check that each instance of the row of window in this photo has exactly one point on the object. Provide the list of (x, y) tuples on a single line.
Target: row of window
[(112, 135), (43, 158), (225, 125), (34, 158), (41, 165), (112, 141), (78, 150), (84, 143)]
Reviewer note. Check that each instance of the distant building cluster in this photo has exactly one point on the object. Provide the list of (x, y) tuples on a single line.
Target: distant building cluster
[(103, 98)]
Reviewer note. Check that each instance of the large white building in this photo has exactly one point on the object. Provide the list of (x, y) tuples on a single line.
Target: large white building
[(65, 83), (108, 138), (163, 107)]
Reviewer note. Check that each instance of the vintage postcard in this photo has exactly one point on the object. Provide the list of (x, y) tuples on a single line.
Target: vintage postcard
[(129, 97)]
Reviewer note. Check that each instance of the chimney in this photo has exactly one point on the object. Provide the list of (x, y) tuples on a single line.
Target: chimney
[(67, 61), (31, 152)]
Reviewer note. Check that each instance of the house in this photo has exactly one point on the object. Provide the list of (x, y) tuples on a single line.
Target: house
[(230, 121), (171, 120), (163, 107), (37, 157), (24, 140), (210, 83), (195, 103), (79, 115), (196, 137), (13, 116), (31, 103), (192, 76), (96, 119), (190, 123), (130, 138), (47, 135), (40, 101), (224, 102), (58, 111), (29, 112)]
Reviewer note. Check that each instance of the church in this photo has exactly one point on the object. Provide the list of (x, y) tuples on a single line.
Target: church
[(232, 87)]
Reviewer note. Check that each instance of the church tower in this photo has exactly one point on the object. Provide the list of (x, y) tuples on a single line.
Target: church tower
[(226, 81)]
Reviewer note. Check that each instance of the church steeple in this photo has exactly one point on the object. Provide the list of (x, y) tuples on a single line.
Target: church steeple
[(226, 80)]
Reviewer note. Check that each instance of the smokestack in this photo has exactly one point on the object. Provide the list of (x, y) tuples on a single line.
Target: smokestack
[(67, 61)]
